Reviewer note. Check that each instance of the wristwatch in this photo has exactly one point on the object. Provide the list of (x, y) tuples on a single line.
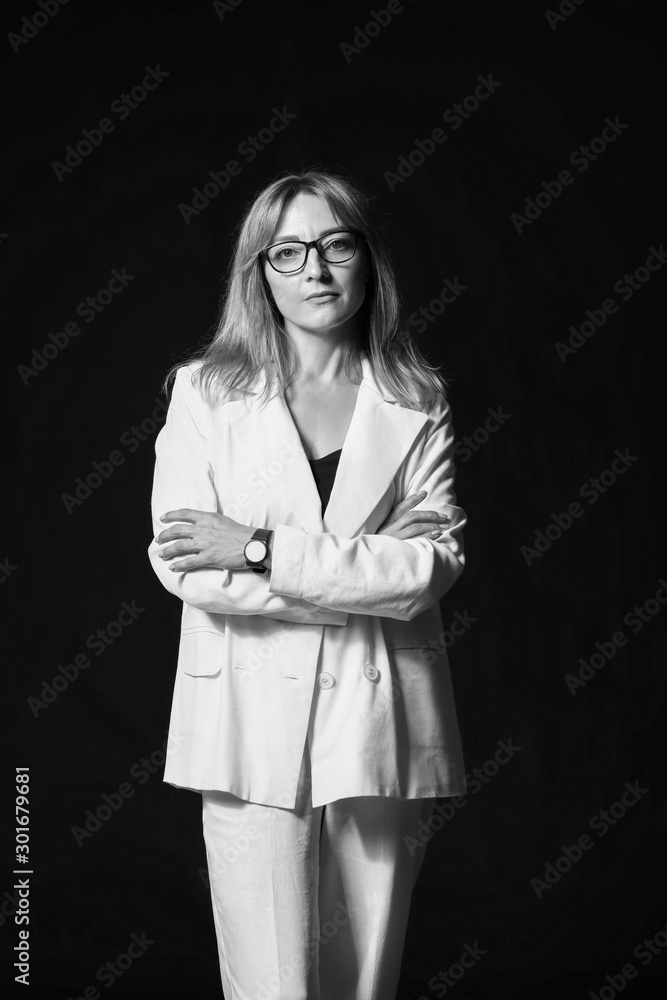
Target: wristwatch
[(256, 549)]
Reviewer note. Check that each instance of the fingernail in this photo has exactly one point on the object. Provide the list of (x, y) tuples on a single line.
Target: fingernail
[(163, 517), (436, 533)]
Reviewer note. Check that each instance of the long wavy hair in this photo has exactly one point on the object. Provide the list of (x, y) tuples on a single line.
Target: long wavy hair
[(250, 338)]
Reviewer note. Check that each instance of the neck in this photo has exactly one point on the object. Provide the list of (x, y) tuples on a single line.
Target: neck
[(320, 358)]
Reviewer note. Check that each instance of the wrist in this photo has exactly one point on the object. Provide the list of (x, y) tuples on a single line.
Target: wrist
[(257, 555)]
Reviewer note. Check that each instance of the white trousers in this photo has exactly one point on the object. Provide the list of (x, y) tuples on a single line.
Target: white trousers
[(311, 904)]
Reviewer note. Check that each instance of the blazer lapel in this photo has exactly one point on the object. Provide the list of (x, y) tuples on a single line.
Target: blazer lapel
[(379, 438), (381, 434)]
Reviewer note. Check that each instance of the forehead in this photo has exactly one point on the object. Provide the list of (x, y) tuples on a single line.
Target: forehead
[(305, 215)]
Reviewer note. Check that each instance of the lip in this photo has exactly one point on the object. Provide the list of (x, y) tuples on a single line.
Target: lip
[(322, 295)]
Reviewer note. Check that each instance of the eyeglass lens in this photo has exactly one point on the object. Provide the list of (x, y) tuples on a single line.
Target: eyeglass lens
[(334, 248)]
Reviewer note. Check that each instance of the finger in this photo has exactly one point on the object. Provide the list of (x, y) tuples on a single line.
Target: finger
[(179, 549), (408, 502), (414, 498), (414, 530), (177, 531), (182, 566), (189, 563), (424, 515), (182, 514), (428, 515), (404, 505)]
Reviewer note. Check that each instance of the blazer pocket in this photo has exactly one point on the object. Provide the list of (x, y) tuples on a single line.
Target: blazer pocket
[(404, 655), (409, 645), (202, 651), (399, 635)]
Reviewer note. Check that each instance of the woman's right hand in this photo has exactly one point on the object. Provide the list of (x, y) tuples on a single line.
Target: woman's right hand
[(403, 522)]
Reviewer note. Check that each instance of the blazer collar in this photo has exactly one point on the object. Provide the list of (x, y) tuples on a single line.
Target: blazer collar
[(381, 434)]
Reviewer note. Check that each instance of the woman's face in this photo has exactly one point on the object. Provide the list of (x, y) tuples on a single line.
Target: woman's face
[(321, 296)]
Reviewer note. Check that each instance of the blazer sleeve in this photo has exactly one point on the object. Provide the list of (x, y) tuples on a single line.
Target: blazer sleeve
[(183, 477), (378, 574)]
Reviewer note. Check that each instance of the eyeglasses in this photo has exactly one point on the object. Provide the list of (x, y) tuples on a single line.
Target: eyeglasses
[(291, 255)]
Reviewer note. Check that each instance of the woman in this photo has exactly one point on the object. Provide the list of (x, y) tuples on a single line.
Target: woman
[(313, 706)]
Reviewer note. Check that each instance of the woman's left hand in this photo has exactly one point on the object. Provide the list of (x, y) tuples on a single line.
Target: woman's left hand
[(207, 541)]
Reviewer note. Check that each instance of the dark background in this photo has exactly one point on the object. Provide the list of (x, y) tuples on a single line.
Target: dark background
[(67, 573)]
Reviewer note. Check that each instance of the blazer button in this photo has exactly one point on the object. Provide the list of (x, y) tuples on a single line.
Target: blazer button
[(371, 672), (326, 680)]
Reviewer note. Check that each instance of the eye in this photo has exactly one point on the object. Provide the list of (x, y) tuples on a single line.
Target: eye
[(285, 252), (342, 242)]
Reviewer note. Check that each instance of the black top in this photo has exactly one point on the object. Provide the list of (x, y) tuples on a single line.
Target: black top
[(324, 473)]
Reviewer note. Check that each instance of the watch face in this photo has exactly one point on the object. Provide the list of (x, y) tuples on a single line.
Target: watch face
[(255, 550)]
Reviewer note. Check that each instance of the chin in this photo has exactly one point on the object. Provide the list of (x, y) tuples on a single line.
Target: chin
[(325, 322)]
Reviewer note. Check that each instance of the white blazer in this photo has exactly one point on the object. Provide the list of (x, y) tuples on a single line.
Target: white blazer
[(331, 645)]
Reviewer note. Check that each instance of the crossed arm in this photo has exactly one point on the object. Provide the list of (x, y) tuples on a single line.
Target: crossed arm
[(398, 571)]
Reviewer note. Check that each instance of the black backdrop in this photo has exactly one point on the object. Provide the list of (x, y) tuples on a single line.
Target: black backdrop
[(88, 716)]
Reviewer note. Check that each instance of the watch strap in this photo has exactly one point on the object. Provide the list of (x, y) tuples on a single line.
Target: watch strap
[(263, 534)]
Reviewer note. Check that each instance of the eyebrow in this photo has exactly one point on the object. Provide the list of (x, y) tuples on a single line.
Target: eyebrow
[(297, 239)]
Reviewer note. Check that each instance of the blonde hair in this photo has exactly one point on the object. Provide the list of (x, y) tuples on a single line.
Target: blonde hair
[(250, 337)]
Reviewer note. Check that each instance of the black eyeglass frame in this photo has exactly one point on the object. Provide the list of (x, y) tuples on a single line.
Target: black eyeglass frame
[(313, 243)]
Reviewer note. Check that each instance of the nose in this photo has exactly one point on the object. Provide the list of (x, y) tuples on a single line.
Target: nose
[(315, 265)]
